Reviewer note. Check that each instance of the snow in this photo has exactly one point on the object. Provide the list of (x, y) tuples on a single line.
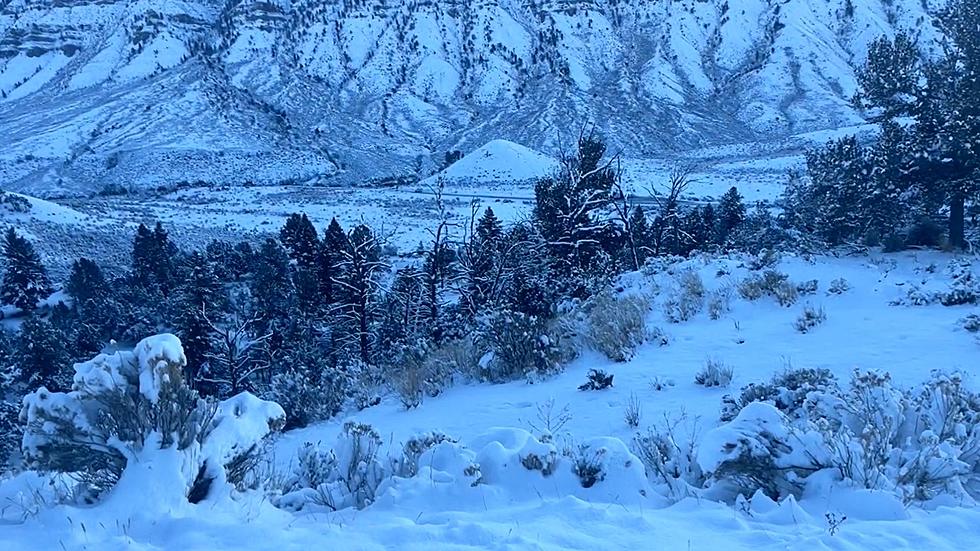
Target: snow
[(495, 162), (513, 507), (158, 358)]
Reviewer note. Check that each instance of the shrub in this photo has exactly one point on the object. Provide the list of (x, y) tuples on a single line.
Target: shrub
[(770, 283), (633, 412), (129, 407), (597, 380), (838, 286), (759, 451), (971, 323), (686, 299), (408, 464), (617, 326), (311, 395), (807, 287), (787, 391), (521, 345), (587, 465), (719, 302), (809, 318), (669, 459), (714, 374), (346, 476)]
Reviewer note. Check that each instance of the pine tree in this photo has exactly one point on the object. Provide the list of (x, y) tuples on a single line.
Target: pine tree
[(331, 250), (641, 235), (301, 240), (25, 281), (883, 202), (731, 214), (837, 175), (86, 283), (358, 281), (568, 207), (889, 77), (201, 302), (489, 230), (272, 284), (41, 356), (154, 259)]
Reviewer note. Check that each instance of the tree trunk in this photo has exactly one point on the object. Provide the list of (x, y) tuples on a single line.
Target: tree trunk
[(956, 220)]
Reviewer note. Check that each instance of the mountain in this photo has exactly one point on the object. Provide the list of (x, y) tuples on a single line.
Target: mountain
[(144, 93)]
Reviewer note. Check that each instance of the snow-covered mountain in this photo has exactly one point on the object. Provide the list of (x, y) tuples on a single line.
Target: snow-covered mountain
[(157, 92)]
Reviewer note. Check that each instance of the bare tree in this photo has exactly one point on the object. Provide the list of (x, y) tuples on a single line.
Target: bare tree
[(236, 358)]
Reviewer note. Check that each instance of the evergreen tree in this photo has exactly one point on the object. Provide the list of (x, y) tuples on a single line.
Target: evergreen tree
[(731, 214), (25, 281), (154, 259), (357, 281), (837, 185), (641, 235), (889, 77), (41, 356), (489, 229), (331, 251), (272, 284), (86, 283), (301, 240), (201, 303), (568, 207), (710, 221), (883, 203)]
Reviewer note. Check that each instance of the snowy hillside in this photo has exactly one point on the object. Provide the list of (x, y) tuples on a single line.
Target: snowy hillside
[(146, 93), (485, 489)]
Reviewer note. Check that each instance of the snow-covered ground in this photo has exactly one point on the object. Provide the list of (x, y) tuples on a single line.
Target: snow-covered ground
[(518, 509)]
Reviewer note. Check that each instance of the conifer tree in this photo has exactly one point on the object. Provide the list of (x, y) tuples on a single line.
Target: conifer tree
[(568, 207), (331, 251), (357, 281), (889, 77), (731, 214), (41, 356), (272, 284), (201, 302), (301, 240), (25, 281)]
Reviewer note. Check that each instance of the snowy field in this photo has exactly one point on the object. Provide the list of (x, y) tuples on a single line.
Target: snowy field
[(499, 174), (869, 325)]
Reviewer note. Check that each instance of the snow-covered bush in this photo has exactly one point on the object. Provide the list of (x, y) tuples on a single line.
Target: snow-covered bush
[(720, 302), (920, 443), (131, 410), (971, 323), (587, 465), (669, 460), (407, 465), (617, 325), (714, 373), (809, 318), (964, 287), (520, 346), (838, 286), (310, 395), (686, 299), (760, 450), (597, 380), (787, 391), (770, 283), (808, 287), (348, 475)]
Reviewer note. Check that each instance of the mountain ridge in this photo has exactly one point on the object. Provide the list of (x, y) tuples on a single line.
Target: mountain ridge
[(145, 93)]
